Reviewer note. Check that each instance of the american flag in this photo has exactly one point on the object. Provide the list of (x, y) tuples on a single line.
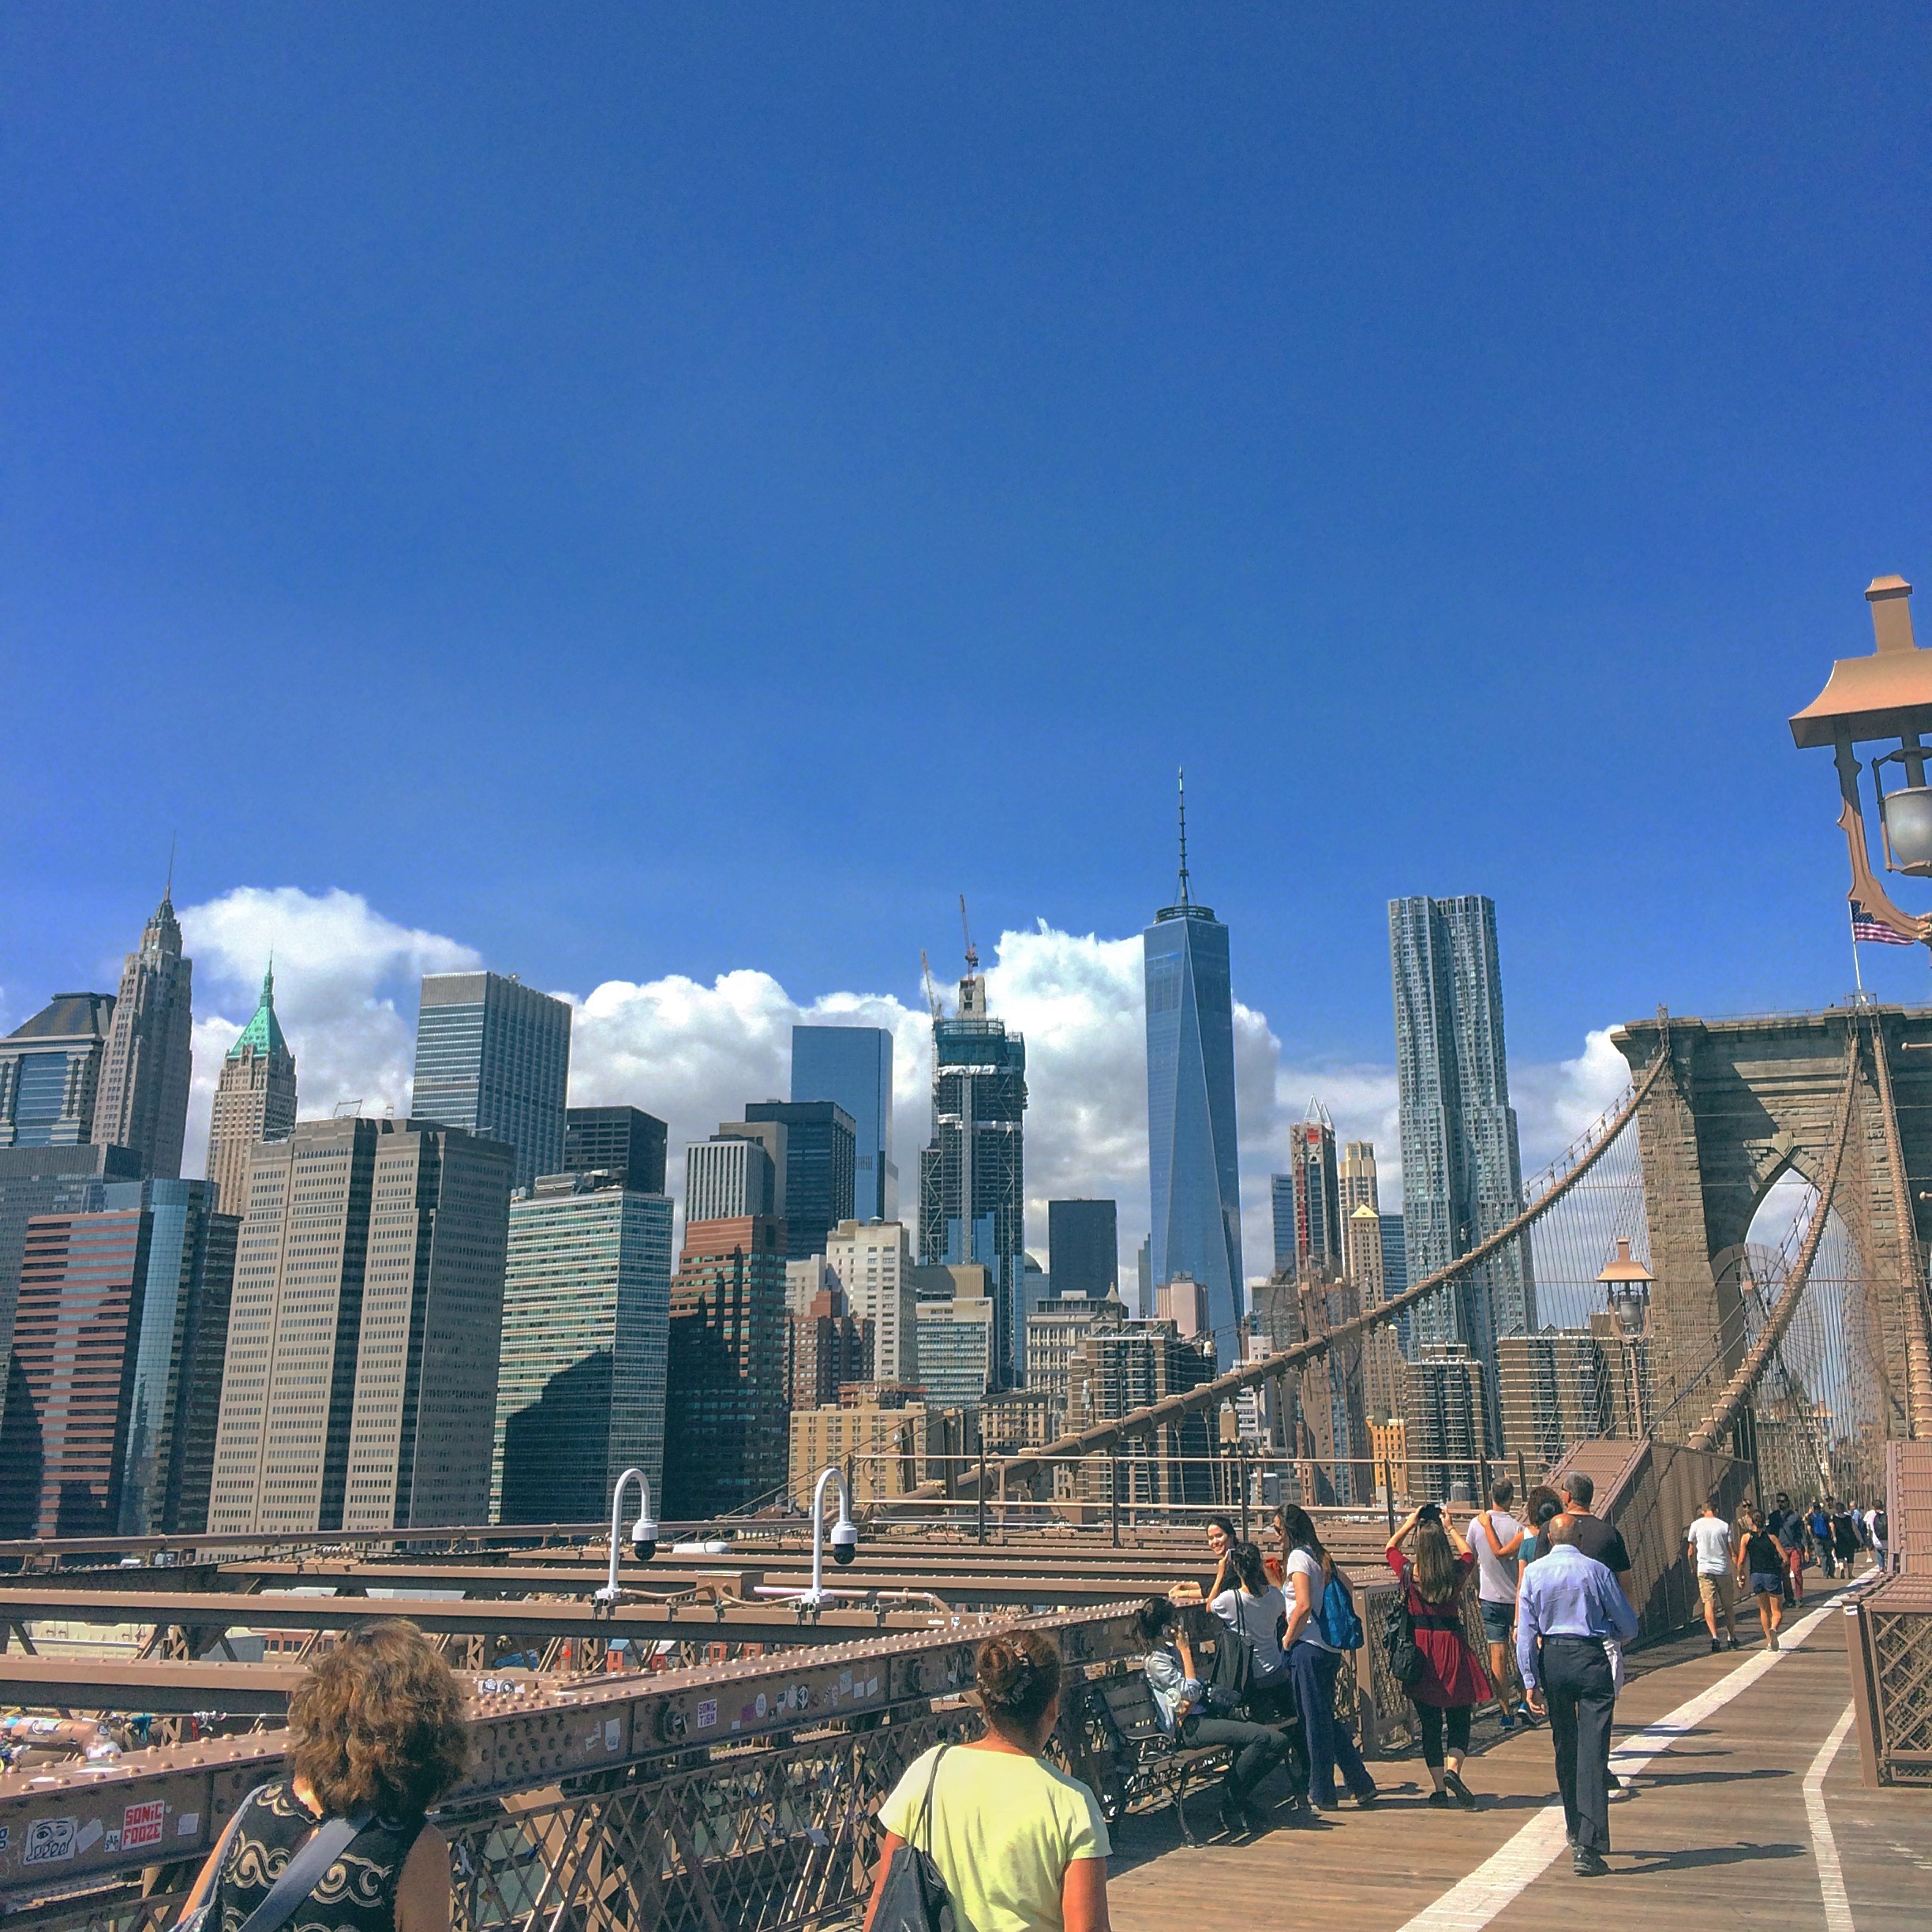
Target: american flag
[(1865, 926)]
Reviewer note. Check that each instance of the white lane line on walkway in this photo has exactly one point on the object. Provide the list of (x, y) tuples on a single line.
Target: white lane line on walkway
[(1505, 1875), (1831, 1873)]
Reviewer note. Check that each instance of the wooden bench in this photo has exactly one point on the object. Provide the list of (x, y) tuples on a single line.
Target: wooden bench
[(1148, 1763)]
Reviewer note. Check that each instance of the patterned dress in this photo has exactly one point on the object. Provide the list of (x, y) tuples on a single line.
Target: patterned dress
[(356, 1893)]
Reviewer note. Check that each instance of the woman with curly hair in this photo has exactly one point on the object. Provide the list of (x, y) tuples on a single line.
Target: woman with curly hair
[(378, 1734), (1021, 1846)]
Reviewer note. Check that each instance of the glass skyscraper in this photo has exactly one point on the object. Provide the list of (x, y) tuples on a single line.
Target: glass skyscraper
[(1462, 1168), (1193, 1173), (580, 1388), (853, 1066), (175, 1385), (493, 1058), (1083, 1247), (820, 1167)]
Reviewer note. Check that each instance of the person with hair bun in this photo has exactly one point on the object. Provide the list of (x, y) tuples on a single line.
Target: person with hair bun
[(378, 1731), (1021, 1846)]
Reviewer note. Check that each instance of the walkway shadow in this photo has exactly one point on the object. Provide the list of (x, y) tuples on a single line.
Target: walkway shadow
[(1715, 1777), (1712, 1855)]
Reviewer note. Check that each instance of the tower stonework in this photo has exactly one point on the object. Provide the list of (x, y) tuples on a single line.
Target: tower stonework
[(1741, 1103), (142, 1100), (254, 1101)]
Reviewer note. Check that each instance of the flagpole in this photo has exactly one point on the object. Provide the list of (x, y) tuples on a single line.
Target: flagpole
[(1856, 974)]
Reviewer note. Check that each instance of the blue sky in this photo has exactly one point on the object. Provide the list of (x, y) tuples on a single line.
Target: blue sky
[(648, 491)]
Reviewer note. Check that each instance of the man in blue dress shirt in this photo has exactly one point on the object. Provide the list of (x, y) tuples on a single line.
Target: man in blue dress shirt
[(1568, 1605)]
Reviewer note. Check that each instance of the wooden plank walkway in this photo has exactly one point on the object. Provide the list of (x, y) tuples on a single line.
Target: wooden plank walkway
[(1715, 1832)]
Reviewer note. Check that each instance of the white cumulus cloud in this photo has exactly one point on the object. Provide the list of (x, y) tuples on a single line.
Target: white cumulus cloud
[(695, 1055), (346, 993)]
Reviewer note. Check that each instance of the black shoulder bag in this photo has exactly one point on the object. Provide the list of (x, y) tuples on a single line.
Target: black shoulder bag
[(300, 1876), (915, 1898), (1399, 1643)]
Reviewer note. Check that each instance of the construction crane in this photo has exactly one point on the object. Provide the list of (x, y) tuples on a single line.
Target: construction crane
[(972, 958), (932, 992)]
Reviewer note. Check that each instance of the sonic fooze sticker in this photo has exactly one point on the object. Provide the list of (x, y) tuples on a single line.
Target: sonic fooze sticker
[(707, 1713), (141, 1824)]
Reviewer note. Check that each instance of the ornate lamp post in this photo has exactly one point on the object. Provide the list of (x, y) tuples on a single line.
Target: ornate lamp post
[(1885, 697)]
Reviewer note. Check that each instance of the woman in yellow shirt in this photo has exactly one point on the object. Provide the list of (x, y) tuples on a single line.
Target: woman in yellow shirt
[(1021, 1846)]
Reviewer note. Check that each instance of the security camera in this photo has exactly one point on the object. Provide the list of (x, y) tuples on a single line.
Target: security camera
[(644, 1539), (844, 1542)]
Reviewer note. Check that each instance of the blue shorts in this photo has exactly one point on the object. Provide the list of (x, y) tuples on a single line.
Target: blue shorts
[(1498, 1619), (1766, 1583)]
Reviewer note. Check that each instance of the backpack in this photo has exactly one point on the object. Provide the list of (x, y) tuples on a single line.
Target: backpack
[(1339, 1623), (1229, 1682), (1399, 1643)]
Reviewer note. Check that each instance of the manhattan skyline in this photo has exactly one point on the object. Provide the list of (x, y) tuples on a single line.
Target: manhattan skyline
[(1466, 511)]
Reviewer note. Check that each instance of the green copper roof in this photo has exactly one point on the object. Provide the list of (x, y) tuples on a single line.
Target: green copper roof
[(263, 1032)]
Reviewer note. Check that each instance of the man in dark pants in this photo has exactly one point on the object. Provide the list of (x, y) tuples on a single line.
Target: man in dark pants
[(1568, 1604)]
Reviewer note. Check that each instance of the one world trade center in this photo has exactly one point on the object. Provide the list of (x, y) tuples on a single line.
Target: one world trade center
[(1193, 1172)]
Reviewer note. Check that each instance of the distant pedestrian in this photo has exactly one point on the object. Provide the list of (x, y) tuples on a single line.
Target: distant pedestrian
[(1880, 1534), (1793, 1536), (1709, 1542), (1594, 1536), (1541, 1507), (1761, 1569), (1845, 1540), (1021, 1846), (1497, 1538), (1569, 1608), (1314, 1663), (1818, 1522), (1775, 1520), (1453, 1683)]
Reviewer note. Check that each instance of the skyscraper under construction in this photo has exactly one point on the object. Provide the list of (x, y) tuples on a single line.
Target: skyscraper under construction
[(972, 1176)]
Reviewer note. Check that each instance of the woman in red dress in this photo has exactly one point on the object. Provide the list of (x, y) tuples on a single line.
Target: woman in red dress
[(1435, 1567)]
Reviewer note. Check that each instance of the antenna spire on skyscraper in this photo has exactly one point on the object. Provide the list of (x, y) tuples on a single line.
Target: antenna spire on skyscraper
[(167, 891), (1184, 900)]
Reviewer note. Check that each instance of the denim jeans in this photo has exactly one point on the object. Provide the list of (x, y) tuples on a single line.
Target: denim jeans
[(1315, 1670)]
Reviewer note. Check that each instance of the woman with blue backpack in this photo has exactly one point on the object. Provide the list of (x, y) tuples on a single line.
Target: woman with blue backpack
[(1322, 1625)]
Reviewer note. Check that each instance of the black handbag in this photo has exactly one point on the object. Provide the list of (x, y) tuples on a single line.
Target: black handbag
[(914, 1898), (1399, 1643)]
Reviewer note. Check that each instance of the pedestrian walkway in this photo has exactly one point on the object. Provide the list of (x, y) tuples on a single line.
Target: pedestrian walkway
[(1742, 1812)]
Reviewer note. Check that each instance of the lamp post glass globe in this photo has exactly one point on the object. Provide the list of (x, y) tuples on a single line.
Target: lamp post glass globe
[(1908, 828)]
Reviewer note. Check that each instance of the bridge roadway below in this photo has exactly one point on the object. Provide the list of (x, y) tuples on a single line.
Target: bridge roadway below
[(1714, 1831)]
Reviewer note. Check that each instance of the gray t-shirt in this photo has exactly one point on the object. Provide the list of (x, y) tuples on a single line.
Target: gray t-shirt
[(1259, 1616), (1496, 1576), (1710, 1537)]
